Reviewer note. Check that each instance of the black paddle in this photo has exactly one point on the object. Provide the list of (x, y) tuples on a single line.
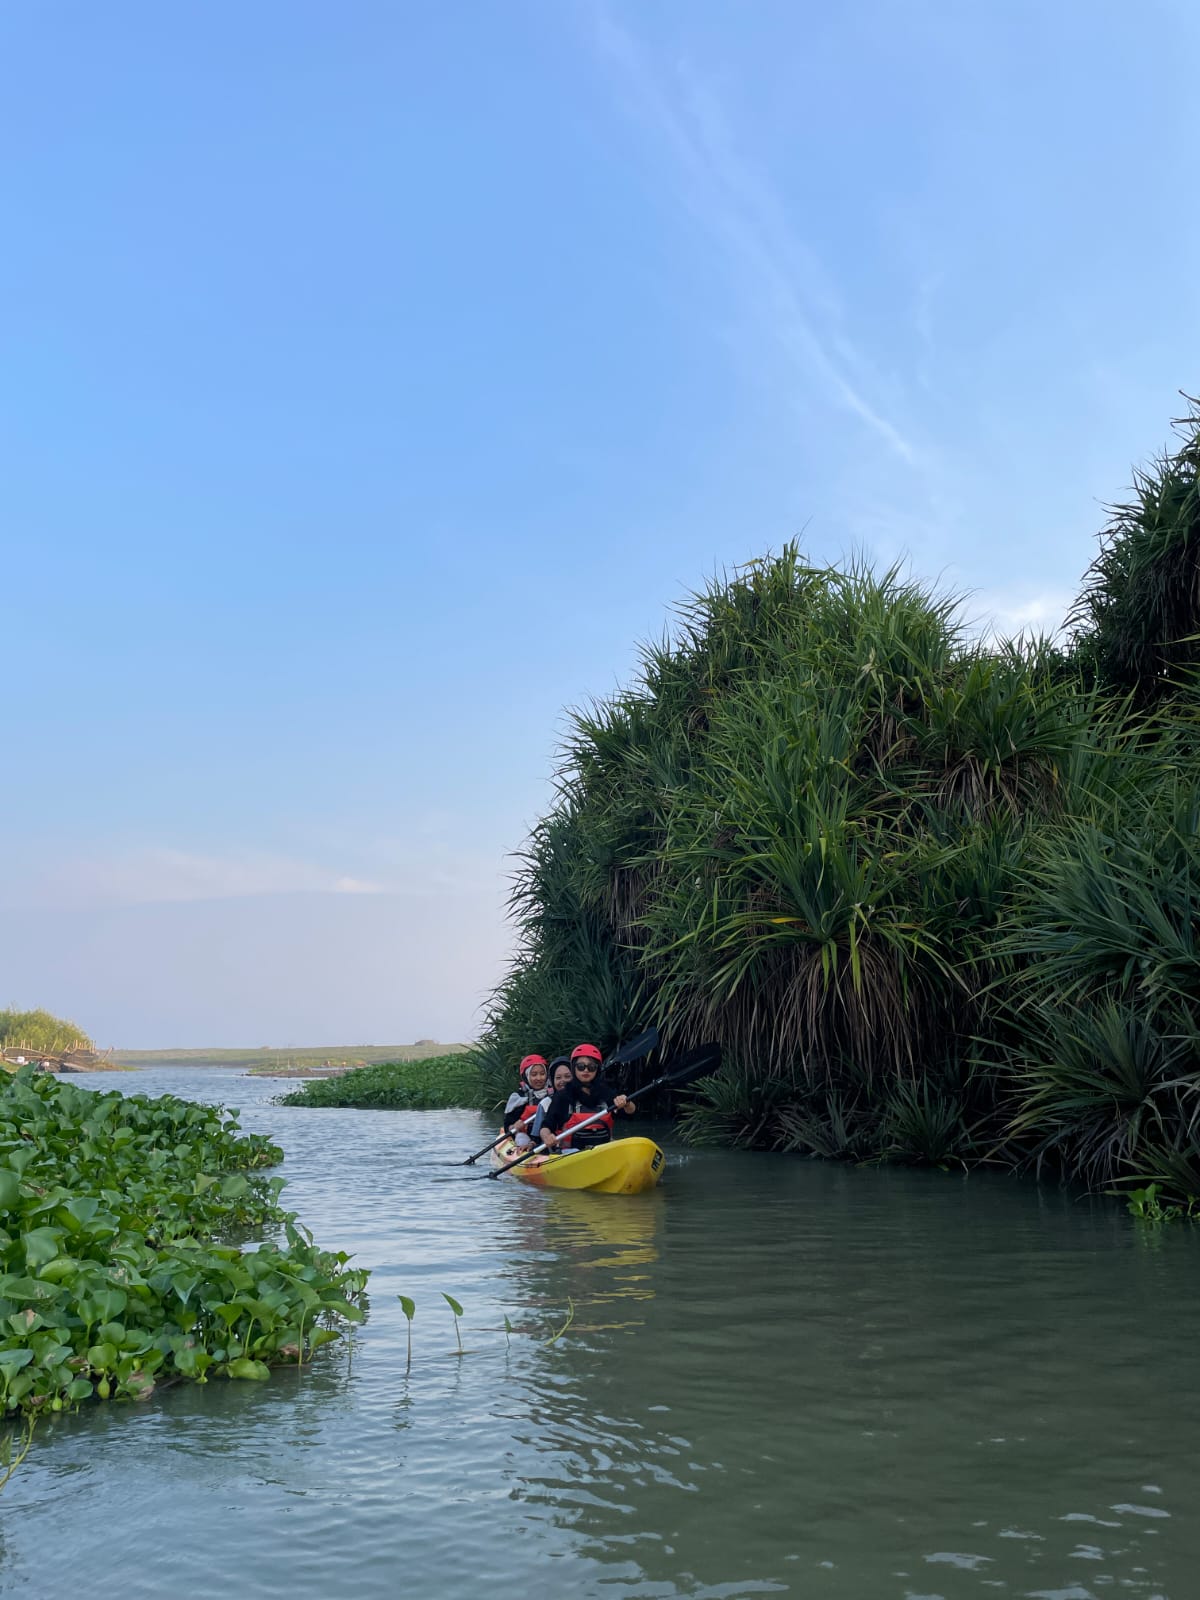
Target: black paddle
[(697, 1063), (639, 1046), (471, 1160)]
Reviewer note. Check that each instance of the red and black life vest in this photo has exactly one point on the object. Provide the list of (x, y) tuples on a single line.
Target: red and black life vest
[(598, 1132)]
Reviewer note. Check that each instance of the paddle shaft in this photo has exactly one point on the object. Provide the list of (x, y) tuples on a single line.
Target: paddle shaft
[(471, 1160)]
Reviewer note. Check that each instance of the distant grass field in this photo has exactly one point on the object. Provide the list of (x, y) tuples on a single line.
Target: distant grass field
[(436, 1084), (304, 1056)]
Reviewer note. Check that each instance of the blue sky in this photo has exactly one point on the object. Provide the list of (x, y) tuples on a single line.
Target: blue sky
[(372, 378)]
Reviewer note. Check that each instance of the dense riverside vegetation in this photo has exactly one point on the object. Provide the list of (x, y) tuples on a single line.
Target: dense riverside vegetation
[(119, 1267), (434, 1084), (934, 895), (39, 1031)]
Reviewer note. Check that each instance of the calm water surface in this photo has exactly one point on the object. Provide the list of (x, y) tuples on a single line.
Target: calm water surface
[(780, 1378)]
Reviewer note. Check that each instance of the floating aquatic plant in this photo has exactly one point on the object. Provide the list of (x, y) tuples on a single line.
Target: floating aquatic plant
[(117, 1273), (432, 1084)]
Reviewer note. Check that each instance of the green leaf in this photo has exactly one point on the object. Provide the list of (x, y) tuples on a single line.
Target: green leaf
[(77, 1212), (343, 1308), (14, 1288), (79, 1389), (452, 1303), (62, 1269), (21, 1385), (13, 1360), (111, 1302), (10, 1189), (41, 1246), (409, 1307), (254, 1371)]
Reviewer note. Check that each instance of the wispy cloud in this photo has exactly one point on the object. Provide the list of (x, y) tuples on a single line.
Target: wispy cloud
[(155, 873), (777, 272), (429, 863), (1007, 614)]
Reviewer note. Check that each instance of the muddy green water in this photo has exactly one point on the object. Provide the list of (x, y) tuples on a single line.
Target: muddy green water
[(781, 1378)]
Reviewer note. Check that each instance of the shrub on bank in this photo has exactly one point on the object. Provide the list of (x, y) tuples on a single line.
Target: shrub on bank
[(39, 1030), (118, 1266), (435, 1084)]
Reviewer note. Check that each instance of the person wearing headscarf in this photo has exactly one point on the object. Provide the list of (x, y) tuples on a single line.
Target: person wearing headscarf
[(560, 1076), (523, 1103)]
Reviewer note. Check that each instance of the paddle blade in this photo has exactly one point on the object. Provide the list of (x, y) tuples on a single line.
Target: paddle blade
[(698, 1063), (635, 1049)]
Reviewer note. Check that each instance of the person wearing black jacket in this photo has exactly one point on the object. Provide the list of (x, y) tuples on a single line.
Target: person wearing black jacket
[(586, 1094)]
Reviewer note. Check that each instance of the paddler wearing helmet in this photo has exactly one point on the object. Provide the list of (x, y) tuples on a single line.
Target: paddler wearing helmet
[(526, 1099), (585, 1095)]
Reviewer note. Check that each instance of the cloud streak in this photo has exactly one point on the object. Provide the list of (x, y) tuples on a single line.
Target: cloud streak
[(738, 207), (1010, 614), (154, 874)]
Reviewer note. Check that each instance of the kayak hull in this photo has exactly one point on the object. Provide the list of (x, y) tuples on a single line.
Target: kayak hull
[(623, 1166)]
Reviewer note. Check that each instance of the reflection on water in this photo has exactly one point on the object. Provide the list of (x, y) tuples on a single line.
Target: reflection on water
[(777, 1378), (601, 1256)]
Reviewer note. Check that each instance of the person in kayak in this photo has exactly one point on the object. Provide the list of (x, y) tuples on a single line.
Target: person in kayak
[(525, 1100), (583, 1097), (560, 1076)]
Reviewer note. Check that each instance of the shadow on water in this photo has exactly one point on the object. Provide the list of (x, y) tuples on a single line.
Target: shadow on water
[(777, 1377)]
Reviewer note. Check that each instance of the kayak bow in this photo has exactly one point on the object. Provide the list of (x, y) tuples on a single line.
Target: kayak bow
[(622, 1166)]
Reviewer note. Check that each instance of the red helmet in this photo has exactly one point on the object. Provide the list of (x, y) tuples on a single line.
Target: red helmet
[(587, 1052), (530, 1061)]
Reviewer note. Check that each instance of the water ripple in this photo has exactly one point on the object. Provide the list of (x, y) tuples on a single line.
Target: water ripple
[(777, 1378)]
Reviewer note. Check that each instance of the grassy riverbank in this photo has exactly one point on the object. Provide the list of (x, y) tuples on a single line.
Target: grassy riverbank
[(117, 1270), (435, 1084), (266, 1058), (934, 896)]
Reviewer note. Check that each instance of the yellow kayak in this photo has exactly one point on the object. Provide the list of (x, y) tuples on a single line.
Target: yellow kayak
[(623, 1166)]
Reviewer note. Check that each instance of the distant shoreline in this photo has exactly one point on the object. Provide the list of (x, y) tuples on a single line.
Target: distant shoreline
[(302, 1058)]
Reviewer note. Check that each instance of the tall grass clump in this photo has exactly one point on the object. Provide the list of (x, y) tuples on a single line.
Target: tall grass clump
[(1137, 619), (1104, 981), (932, 894), (39, 1030)]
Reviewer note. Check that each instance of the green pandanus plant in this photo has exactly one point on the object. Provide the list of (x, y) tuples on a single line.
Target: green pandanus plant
[(933, 892)]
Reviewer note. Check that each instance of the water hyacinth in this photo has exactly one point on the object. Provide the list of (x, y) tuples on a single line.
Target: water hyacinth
[(118, 1270), (432, 1084)]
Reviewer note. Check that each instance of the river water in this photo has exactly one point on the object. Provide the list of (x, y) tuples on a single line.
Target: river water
[(778, 1378)]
